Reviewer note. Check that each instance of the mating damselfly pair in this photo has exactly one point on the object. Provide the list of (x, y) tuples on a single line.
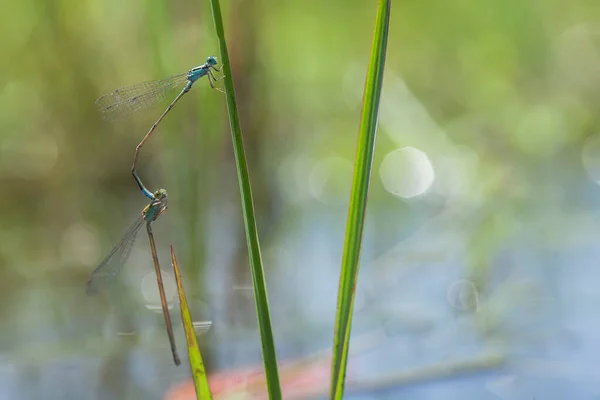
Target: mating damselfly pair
[(123, 102)]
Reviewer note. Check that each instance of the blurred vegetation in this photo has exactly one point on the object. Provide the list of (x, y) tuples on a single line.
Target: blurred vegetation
[(502, 96)]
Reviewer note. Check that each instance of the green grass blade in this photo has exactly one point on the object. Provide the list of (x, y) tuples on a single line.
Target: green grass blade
[(258, 279), (196, 364), (358, 200)]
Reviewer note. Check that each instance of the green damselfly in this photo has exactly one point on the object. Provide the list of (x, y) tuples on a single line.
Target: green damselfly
[(113, 263)]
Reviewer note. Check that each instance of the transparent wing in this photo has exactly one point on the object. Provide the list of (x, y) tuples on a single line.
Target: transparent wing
[(110, 267), (130, 99)]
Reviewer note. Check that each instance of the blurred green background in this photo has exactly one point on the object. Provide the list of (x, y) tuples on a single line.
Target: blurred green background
[(483, 218)]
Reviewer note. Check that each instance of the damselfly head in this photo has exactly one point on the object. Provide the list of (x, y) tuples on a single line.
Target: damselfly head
[(160, 199), (212, 60), (160, 194), (157, 206)]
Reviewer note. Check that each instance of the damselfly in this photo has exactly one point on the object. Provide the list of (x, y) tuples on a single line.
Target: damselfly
[(128, 100), (113, 263)]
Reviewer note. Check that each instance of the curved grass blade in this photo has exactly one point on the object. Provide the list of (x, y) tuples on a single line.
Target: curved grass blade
[(196, 364), (256, 268), (358, 200)]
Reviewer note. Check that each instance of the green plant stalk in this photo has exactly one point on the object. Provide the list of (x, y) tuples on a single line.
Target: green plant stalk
[(197, 366), (258, 278), (358, 200)]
